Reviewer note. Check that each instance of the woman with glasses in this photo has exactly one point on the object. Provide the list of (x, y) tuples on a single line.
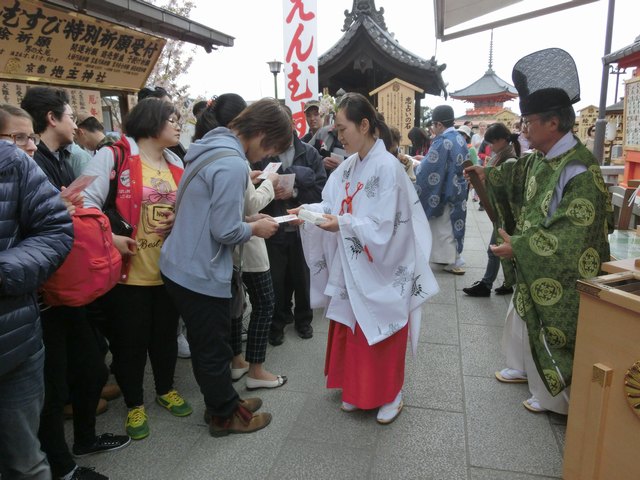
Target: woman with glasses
[(19, 130), (143, 320)]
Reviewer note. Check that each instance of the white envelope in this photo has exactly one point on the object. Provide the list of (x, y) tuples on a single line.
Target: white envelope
[(271, 168)]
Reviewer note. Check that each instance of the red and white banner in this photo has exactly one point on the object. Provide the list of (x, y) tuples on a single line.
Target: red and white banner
[(301, 57)]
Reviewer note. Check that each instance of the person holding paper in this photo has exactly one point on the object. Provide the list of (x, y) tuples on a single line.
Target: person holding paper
[(326, 142), (369, 264), (254, 262), (142, 318), (29, 204), (196, 260), (302, 177), (72, 350)]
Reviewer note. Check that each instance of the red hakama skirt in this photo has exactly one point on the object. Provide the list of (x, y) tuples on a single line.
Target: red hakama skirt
[(369, 375)]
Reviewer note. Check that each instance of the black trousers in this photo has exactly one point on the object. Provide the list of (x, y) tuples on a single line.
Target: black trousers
[(73, 368), (142, 320), (290, 276), (208, 321)]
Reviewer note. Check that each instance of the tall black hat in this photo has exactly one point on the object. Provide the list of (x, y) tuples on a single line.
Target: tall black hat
[(546, 80)]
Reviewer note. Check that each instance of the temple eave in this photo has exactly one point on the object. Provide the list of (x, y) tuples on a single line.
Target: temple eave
[(484, 111), (503, 97)]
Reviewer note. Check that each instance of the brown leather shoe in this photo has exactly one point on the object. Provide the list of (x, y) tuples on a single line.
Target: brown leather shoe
[(242, 421), (110, 391), (251, 404), (100, 409)]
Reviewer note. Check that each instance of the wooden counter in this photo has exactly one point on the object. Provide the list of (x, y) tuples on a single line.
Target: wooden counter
[(603, 429), (626, 265)]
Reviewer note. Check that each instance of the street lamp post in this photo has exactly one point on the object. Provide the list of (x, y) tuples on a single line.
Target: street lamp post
[(617, 71), (274, 67)]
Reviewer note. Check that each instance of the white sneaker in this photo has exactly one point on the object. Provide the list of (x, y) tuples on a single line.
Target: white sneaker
[(183, 347), (390, 411)]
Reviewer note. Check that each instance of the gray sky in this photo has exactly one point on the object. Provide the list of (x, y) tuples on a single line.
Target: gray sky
[(256, 26)]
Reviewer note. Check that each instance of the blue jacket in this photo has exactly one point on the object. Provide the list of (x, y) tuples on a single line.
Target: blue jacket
[(440, 181), (210, 218), (36, 235)]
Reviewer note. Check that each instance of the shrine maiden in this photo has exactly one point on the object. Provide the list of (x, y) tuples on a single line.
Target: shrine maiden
[(369, 264)]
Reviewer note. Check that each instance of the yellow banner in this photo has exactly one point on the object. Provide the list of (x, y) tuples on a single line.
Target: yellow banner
[(79, 99), (44, 44)]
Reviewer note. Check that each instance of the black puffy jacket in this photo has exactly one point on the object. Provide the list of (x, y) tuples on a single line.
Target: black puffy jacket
[(36, 235)]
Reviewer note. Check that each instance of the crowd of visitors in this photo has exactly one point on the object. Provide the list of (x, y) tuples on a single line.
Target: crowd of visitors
[(341, 219)]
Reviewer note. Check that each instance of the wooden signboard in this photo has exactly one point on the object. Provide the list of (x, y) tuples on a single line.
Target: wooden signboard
[(396, 101), (632, 114), (81, 100), (41, 43)]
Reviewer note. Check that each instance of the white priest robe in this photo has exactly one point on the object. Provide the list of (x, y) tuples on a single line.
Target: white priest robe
[(375, 270)]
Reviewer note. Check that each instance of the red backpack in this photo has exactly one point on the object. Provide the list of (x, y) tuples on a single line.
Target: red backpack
[(91, 269)]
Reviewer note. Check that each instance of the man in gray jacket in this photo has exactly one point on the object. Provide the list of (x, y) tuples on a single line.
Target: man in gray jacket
[(35, 237)]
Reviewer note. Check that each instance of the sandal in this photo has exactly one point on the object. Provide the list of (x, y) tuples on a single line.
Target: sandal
[(533, 405), (510, 375), (455, 270)]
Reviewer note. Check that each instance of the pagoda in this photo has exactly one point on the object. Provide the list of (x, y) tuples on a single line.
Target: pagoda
[(368, 56), (487, 94)]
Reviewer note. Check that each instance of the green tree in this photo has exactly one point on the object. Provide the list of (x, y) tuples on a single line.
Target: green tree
[(425, 116)]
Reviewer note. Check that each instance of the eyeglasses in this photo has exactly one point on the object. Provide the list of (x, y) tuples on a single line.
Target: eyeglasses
[(22, 139), (528, 121), (71, 116), (175, 123)]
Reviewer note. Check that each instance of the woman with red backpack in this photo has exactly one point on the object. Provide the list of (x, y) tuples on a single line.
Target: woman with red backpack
[(143, 319)]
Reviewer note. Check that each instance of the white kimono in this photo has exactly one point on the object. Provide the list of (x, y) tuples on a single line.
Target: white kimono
[(375, 270)]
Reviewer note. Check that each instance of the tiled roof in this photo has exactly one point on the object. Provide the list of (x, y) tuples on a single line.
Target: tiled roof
[(618, 55), (489, 84), (616, 107), (384, 41)]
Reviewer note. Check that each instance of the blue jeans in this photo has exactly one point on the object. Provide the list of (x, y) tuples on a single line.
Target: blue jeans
[(21, 399), (493, 265)]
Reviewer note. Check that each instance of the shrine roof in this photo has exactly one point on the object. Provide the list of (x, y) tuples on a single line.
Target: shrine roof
[(366, 35), (628, 56), (489, 85)]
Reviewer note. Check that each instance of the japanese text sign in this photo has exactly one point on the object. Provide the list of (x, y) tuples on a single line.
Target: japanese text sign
[(396, 101), (301, 57), (80, 100), (45, 44)]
